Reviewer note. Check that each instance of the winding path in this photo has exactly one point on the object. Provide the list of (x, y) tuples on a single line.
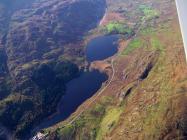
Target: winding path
[(101, 92), (113, 74), (92, 101), (96, 97)]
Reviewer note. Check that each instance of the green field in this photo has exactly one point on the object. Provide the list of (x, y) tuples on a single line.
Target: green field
[(136, 43), (149, 13), (118, 28)]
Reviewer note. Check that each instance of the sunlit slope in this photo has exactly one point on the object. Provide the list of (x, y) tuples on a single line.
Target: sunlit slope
[(147, 98)]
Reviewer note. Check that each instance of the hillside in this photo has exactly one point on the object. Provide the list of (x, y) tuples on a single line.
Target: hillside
[(41, 49), (146, 99)]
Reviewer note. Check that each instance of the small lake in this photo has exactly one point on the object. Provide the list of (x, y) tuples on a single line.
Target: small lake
[(87, 84), (102, 47)]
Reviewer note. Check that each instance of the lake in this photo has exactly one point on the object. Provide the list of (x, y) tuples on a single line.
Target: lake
[(102, 47), (87, 84), (78, 90)]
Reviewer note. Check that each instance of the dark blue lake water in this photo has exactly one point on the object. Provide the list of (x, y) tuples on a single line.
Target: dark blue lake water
[(102, 47), (78, 90), (87, 84)]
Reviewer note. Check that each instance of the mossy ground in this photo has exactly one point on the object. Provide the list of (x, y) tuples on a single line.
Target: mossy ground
[(109, 121), (135, 44), (149, 12), (118, 28), (94, 124)]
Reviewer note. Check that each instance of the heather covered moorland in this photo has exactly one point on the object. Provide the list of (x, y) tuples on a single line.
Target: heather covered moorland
[(43, 50)]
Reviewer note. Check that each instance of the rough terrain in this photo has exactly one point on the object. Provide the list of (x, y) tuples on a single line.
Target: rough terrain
[(41, 49), (147, 97)]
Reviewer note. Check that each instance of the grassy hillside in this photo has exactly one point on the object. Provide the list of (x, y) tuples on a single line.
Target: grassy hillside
[(147, 98)]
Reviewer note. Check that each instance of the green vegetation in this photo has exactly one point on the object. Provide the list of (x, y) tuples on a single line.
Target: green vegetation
[(154, 122), (11, 110), (41, 74), (157, 114), (154, 41), (87, 125), (149, 13), (94, 123), (147, 31), (156, 44), (30, 65), (118, 28), (136, 43), (50, 80), (108, 122), (67, 131)]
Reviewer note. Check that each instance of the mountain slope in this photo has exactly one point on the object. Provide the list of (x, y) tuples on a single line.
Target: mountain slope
[(40, 50), (147, 98)]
